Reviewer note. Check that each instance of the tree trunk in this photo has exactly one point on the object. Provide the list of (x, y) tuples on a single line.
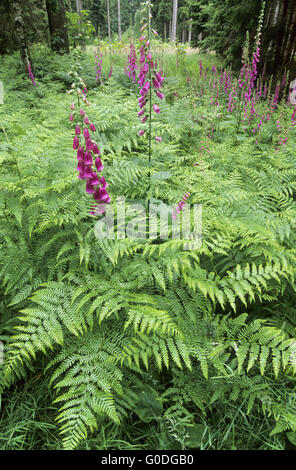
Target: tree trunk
[(108, 20), (280, 33), (119, 20), (174, 20), (57, 26), (190, 31), (183, 35), (20, 35)]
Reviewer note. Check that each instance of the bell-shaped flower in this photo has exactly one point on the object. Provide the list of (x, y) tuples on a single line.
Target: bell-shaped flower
[(89, 144), (86, 134), (103, 182), (95, 149), (75, 142), (88, 158), (99, 164), (101, 194), (156, 109), (80, 153)]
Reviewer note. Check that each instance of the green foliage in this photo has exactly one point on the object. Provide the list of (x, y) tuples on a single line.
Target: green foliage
[(184, 342)]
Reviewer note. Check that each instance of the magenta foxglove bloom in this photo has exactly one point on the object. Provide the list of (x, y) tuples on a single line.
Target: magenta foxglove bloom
[(80, 154), (82, 112), (72, 106), (96, 150), (87, 171), (99, 165), (75, 143), (89, 144), (141, 133), (71, 117), (89, 187), (156, 84), (86, 120), (92, 127), (159, 139), (94, 180), (86, 134), (140, 113), (144, 119), (156, 109), (101, 194), (160, 95), (88, 160), (77, 130), (103, 182)]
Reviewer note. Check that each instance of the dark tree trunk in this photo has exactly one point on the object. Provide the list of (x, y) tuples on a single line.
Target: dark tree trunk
[(20, 33), (57, 26), (279, 37)]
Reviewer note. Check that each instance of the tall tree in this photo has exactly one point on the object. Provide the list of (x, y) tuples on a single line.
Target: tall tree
[(108, 20), (20, 33), (57, 26), (174, 21), (119, 20)]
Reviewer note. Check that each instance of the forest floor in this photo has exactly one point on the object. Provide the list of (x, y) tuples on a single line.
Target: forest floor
[(140, 343)]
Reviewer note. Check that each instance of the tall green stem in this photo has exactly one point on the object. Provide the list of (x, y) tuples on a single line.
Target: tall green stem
[(150, 81)]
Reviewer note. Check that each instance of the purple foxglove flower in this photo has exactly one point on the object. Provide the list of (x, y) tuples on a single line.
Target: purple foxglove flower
[(143, 91), (148, 43), (82, 112), (101, 194), (141, 133), (159, 77), (72, 106), (75, 143), (94, 180), (108, 199), (95, 149), (103, 182), (142, 38), (141, 99), (77, 130), (86, 120), (99, 164), (89, 187), (92, 127), (160, 95), (145, 68), (88, 171), (156, 84), (149, 56), (159, 139), (140, 113), (89, 144), (80, 154), (80, 166), (88, 158), (156, 109), (144, 119), (86, 134)]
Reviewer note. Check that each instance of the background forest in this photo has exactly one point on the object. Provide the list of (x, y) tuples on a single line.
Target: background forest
[(137, 342)]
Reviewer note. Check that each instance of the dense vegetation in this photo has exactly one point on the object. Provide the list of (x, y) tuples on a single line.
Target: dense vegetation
[(142, 343)]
